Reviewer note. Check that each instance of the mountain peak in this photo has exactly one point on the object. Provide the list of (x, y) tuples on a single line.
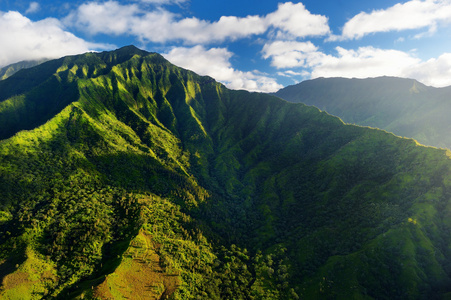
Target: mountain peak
[(130, 49), (417, 87), (123, 54)]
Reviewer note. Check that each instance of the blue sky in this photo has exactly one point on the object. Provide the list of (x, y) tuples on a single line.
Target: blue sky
[(253, 45)]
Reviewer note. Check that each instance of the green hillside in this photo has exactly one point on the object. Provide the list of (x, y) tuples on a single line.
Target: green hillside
[(124, 176), (9, 70), (402, 106)]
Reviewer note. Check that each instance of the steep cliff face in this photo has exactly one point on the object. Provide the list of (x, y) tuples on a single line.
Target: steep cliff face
[(122, 175)]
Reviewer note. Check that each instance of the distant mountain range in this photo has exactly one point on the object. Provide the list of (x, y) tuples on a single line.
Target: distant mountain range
[(124, 176), (9, 70), (405, 107)]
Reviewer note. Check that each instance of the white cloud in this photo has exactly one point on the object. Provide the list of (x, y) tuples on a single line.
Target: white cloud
[(109, 17), (163, 2), (34, 7), (291, 74), (160, 25), (23, 39), (361, 63), (295, 20), (215, 62), (288, 54), (414, 14), (435, 71)]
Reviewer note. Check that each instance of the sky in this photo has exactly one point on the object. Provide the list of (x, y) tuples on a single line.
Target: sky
[(254, 45)]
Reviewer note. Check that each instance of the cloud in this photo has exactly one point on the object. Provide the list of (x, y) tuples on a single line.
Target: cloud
[(109, 17), (215, 62), (291, 74), (414, 14), (295, 20), (34, 7), (161, 26), (363, 62), (289, 54), (158, 25), (23, 39), (435, 71), (163, 2)]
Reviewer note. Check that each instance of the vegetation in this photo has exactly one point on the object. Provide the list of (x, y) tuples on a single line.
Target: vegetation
[(402, 106), (123, 176), (9, 70)]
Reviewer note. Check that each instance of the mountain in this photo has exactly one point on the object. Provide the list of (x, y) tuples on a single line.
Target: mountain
[(405, 107), (124, 176), (9, 70)]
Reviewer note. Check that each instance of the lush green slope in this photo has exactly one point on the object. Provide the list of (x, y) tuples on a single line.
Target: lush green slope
[(9, 70), (135, 178), (402, 106)]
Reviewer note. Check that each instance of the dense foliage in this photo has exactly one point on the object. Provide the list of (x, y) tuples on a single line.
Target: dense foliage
[(123, 176), (402, 106)]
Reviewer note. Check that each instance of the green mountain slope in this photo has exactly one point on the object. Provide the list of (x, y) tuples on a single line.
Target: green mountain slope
[(402, 106), (9, 70), (127, 177)]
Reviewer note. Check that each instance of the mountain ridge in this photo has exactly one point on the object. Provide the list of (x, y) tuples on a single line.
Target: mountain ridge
[(27, 80), (209, 193), (403, 106), (9, 70)]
